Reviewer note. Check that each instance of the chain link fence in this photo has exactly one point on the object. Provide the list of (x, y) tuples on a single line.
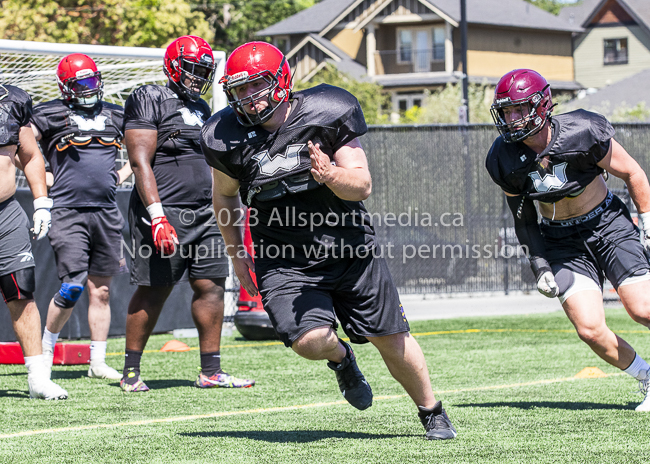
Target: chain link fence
[(443, 225), (456, 232)]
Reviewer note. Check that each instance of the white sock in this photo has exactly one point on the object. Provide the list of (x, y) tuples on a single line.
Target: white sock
[(97, 352), (35, 365), (638, 369), (50, 338)]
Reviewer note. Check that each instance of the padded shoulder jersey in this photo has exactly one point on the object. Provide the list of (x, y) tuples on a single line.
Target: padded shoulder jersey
[(81, 146), (60, 123), (15, 111), (580, 140), (262, 162), (323, 114), (182, 176)]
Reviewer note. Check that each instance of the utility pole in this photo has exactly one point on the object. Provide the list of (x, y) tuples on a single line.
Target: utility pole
[(463, 111)]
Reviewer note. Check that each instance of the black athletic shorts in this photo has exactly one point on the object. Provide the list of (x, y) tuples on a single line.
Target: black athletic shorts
[(358, 291), (15, 246), (87, 239), (201, 252), (606, 245)]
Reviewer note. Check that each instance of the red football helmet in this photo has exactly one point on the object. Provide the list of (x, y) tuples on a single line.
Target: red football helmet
[(528, 90), (79, 81), (189, 63), (250, 62)]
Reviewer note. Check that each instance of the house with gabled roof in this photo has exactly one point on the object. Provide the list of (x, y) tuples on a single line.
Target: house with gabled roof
[(409, 46), (615, 43)]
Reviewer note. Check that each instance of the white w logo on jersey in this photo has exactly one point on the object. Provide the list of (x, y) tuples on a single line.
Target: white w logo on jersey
[(554, 181), (98, 123), (192, 118), (281, 162), (27, 256)]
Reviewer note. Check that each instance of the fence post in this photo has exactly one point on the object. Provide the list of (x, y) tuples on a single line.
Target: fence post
[(506, 268)]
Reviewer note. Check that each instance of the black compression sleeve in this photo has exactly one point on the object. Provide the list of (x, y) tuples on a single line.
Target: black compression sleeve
[(528, 233)]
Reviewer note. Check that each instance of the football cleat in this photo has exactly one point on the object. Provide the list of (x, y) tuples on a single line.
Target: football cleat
[(43, 388), (222, 380), (436, 423), (48, 359), (138, 386), (644, 388), (103, 371), (351, 381)]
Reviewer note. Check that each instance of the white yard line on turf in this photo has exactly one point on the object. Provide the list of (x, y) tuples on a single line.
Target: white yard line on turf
[(267, 410), (415, 334)]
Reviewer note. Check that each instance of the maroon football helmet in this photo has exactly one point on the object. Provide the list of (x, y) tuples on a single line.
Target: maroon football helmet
[(528, 90)]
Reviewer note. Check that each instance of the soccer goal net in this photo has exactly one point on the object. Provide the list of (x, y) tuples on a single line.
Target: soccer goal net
[(32, 67)]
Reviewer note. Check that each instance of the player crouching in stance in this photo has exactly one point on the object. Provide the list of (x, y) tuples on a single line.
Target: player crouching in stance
[(80, 136), (170, 212), (17, 280), (586, 232), (275, 148)]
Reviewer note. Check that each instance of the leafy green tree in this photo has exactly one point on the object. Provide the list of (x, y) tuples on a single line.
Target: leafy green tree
[(236, 21), (552, 6), (370, 95), (441, 106), (144, 23)]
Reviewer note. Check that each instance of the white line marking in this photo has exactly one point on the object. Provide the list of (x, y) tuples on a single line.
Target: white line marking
[(268, 410)]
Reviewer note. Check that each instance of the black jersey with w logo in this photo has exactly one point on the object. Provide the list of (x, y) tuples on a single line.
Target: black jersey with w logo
[(580, 139), (182, 176), (81, 146), (273, 170)]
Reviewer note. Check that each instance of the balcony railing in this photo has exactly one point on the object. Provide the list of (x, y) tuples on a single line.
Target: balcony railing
[(409, 60)]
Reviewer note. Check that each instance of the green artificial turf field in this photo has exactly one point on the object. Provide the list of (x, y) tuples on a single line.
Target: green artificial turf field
[(508, 383)]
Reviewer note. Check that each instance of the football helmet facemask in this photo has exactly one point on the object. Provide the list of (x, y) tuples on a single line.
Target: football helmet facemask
[(189, 64), (79, 80), (250, 63), (531, 94)]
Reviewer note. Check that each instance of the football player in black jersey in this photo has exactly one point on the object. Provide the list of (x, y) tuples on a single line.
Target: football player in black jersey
[(80, 135), (171, 219), (17, 279), (586, 233), (296, 161)]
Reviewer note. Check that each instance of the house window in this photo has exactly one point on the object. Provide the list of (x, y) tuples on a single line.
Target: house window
[(420, 46), (403, 102), (282, 42), (405, 45), (615, 51), (439, 43)]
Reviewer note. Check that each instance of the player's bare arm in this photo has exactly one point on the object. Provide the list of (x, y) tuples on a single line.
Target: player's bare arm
[(141, 147), (124, 173), (7, 171), (37, 133), (225, 196), (49, 177), (32, 162), (349, 178), (33, 166), (619, 163)]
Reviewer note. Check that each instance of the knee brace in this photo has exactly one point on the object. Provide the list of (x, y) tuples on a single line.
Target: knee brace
[(19, 285), (71, 290)]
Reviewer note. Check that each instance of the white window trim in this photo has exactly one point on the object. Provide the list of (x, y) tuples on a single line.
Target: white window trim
[(409, 98), (431, 36), (277, 39), (398, 41)]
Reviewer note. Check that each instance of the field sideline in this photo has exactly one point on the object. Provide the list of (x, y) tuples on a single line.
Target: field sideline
[(508, 383)]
